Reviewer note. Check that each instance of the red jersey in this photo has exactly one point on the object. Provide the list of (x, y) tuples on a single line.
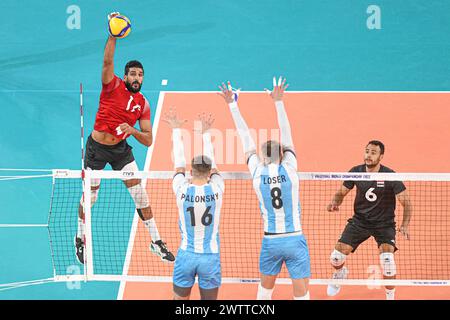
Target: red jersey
[(118, 105)]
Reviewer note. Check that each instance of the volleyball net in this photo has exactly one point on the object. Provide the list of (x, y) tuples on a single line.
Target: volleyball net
[(117, 243)]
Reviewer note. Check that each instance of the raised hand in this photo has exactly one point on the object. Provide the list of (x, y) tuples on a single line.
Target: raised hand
[(227, 92), (113, 14), (206, 120), (278, 89), (172, 119)]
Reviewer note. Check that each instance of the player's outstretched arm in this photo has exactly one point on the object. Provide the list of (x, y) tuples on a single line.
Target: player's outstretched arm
[(277, 95), (108, 56), (178, 146), (208, 149), (403, 198), (241, 126), (338, 198)]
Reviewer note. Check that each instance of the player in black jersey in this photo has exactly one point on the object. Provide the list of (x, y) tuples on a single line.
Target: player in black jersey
[(374, 216)]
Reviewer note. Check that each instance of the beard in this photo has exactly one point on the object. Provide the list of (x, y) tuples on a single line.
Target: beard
[(372, 164), (130, 86)]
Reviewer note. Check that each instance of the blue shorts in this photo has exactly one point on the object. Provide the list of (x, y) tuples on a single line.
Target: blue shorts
[(204, 265), (292, 250)]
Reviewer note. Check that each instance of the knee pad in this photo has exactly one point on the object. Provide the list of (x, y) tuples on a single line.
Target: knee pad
[(337, 258), (94, 182), (263, 293), (132, 166), (94, 197), (139, 195), (388, 264)]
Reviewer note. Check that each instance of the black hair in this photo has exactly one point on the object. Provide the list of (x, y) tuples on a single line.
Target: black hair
[(133, 64), (377, 143)]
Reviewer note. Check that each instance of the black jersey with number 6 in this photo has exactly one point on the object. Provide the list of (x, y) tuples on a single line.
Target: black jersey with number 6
[(375, 200)]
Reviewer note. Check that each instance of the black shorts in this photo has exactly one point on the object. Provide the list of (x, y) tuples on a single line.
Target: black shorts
[(98, 155), (354, 234)]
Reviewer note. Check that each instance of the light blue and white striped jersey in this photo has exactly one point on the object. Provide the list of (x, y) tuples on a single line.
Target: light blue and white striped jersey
[(277, 189), (199, 213)]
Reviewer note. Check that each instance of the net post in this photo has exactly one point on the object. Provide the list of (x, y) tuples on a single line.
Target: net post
[(48, 222), (82, 126), (89, 263)]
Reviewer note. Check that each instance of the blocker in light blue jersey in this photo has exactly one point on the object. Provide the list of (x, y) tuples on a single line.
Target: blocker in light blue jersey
[(199, 213), (199, 218), (276, 185), (277, 189)]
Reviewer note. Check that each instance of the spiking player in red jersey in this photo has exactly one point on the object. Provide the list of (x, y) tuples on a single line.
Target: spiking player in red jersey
[(121, 106)]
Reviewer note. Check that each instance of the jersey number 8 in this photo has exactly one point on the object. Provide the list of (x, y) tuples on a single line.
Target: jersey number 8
[(277, 202)]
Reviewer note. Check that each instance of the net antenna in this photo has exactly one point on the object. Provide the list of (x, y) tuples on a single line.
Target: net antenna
[(82, 166), (82, 131)]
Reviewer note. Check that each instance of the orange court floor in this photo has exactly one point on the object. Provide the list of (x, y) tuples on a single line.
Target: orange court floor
[(330, 131)]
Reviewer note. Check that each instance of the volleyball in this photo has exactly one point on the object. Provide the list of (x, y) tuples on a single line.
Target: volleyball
[(119, 26)]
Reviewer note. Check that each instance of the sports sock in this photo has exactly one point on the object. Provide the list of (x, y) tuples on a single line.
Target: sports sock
[(305, 297), (390, 294), (153, 229), (81, 227), (263, 293)]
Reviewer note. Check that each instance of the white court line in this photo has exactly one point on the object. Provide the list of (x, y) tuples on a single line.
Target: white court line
[(243, 91), (316, 91), (15, 285), (27, 170), (56, 91), (47, 91), (23, 225), (286, 281), (136, 218), (5, 178)]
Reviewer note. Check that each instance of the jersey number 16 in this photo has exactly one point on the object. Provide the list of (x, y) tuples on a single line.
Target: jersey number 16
[(206, 217)]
